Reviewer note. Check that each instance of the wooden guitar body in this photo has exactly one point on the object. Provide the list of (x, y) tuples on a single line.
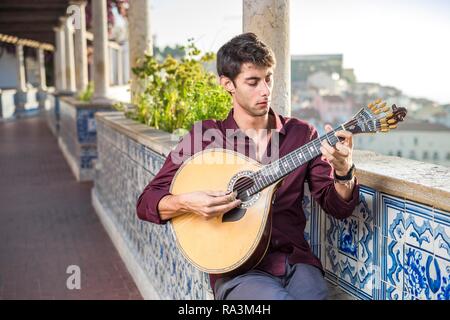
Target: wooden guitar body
[(226, 244)]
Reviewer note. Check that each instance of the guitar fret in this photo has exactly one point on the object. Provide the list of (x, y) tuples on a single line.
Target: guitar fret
[(313, 147), (328, 139)]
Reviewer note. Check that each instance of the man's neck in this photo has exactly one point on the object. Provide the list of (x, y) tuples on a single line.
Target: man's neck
[(246, 121)]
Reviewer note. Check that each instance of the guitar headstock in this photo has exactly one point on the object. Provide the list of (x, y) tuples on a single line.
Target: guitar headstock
[(376, 117)]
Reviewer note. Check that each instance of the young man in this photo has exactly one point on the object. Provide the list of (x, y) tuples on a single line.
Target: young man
[(289, 270)]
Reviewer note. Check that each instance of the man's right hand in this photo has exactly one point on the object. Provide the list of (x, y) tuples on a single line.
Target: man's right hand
[(209, 204)]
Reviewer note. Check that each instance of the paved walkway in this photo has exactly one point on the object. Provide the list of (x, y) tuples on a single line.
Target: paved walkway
[(47, 223)]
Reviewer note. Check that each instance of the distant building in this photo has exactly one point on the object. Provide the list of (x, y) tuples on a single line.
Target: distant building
[(311, 116), (302, 66), (434, 114), (413, 139), (333, 109)]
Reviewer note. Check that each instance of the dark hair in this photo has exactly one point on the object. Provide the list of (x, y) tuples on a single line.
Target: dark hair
[(243, 48)]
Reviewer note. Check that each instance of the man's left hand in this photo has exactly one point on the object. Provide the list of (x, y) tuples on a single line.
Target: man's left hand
[(339, 156)]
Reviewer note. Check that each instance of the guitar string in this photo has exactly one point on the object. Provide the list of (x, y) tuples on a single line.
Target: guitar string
[(248, 184), (289, 157)]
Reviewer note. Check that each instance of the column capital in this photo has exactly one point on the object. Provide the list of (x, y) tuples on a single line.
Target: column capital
[(78, 2)]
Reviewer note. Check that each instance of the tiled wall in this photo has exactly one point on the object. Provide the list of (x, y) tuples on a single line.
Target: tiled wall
[(78, 134), (389, 248)]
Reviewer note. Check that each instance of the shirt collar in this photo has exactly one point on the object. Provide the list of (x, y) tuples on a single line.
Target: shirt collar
[(230, 123)]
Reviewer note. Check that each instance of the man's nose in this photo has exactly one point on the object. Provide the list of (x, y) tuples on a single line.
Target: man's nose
[(265, 91)]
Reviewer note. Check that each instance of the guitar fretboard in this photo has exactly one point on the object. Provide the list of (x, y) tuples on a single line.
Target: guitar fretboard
[(278, 169)]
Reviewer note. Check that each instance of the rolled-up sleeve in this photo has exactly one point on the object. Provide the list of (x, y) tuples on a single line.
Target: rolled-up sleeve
[(321, 185), (159, 186)]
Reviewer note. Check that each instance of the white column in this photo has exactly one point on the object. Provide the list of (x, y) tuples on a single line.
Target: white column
[(59, 60), (269, 19), (20, 97), (20, 67), (101, 61), (140, 37), (120, 66), (70, 57), (80, 45), (41, 66)]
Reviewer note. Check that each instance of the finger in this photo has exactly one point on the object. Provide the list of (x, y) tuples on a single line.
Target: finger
[(327, 147), (220, 209), (219, 193), (342, 149), (326, 154), (348, 136), (344, 134), (328, 128), (222, 199)]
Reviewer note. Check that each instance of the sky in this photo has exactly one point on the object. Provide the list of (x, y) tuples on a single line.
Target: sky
[(401, 43)]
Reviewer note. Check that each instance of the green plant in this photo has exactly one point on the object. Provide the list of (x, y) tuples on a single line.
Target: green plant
[(86, 95), (177, 93)]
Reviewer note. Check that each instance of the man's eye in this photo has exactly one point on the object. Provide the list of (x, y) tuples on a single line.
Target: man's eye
[(253, 84)]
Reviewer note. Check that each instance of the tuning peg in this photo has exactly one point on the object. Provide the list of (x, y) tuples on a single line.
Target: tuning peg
[(384, 126), (392, 126), (384, 130), (371, 105), (383, 105), (389, 115), (385, 109), (391, 121), (383, 121), (377, 101)]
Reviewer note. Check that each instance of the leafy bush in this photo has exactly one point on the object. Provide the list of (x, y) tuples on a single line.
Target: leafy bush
[(86, 95), (177, 93)]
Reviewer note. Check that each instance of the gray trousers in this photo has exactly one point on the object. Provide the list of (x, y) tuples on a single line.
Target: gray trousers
[(301, 282)]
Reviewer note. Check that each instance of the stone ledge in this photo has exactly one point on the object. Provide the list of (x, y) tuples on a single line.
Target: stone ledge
[(418, 181), (159, 141), (87, 104)]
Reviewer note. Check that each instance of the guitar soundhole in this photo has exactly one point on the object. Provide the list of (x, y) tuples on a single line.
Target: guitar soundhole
[(241, 185)]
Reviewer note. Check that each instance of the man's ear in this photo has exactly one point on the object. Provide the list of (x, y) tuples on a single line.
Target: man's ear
[(227, 84)]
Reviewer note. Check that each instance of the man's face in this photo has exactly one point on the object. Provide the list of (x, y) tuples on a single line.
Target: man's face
[(253, 88)]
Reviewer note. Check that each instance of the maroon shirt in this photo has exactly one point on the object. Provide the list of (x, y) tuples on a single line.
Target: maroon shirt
[(289, 220)]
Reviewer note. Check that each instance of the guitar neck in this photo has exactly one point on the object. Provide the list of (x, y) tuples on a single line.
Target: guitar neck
[(280, 168)]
